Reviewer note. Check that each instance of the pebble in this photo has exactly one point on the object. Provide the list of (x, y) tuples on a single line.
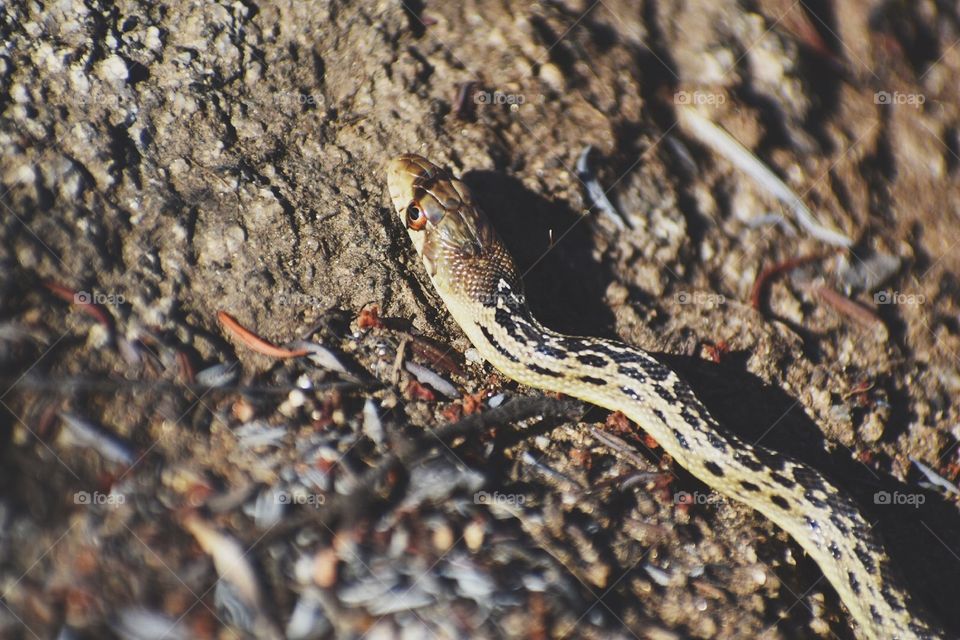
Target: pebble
[(24, 174), (234, 237), (372, 426), (553, 76), (473, 535), (308, 619), (243, 410), (325, 568), (19, 94), (443, 537), (658, 575), (152, 39), (294, 401), (136, 622), (113, 70)]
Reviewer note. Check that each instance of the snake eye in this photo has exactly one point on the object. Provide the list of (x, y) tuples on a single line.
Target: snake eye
[(416, 219)]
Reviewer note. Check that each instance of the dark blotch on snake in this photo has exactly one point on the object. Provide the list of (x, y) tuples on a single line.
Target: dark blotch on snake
[(854, 583), (543, 371), (748, 461), (716, 441), (839, 524), (814, 500), (891, 599), (657, 372), (866, 559), (781, 502), (630, 393), (632, 372), (592, 360), (782, 480), (496, 345), (551, 351), (713, 468)]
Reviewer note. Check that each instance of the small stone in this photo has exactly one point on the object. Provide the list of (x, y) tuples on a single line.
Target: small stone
[(473, 535), (178, 168), (27, 256), (872, 428), (442, 538), (113, 70), (233, 237), (325, 568), (243, 410), (152, 39), (553, 76), (19, 94), (24, 175)]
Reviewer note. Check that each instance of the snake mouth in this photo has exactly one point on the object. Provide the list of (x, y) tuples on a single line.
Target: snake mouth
[(410, 171), (401, 177)]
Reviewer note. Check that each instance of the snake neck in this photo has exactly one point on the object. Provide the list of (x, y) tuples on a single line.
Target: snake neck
[(618, 377)]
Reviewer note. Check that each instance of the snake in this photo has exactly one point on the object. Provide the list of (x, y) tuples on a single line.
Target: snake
[(481, 287)]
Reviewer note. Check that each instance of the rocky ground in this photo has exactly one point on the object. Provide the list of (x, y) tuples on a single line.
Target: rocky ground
[(163, 162)]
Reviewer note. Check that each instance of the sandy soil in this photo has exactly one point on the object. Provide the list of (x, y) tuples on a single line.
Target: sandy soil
[(167, 161)]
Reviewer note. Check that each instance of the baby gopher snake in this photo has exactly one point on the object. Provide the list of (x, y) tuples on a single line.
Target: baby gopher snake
[(480, 285)]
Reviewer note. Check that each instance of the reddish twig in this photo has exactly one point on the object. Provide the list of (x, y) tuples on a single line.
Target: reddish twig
[(186, 367), (795, 21), (255, 342), (438, 355), (850, 308), (859, 390), (770, 273), (82, 302)]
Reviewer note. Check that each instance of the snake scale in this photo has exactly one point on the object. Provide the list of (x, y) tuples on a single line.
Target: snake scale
[(479, 283)]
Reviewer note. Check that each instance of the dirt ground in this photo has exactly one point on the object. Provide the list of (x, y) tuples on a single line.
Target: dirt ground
[(163, 162)]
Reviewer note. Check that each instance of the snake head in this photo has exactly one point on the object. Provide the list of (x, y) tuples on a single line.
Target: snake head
[(437, 210), (459, 248)]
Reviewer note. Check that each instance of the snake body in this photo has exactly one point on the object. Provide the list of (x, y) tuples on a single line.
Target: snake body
[(479, 283)]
